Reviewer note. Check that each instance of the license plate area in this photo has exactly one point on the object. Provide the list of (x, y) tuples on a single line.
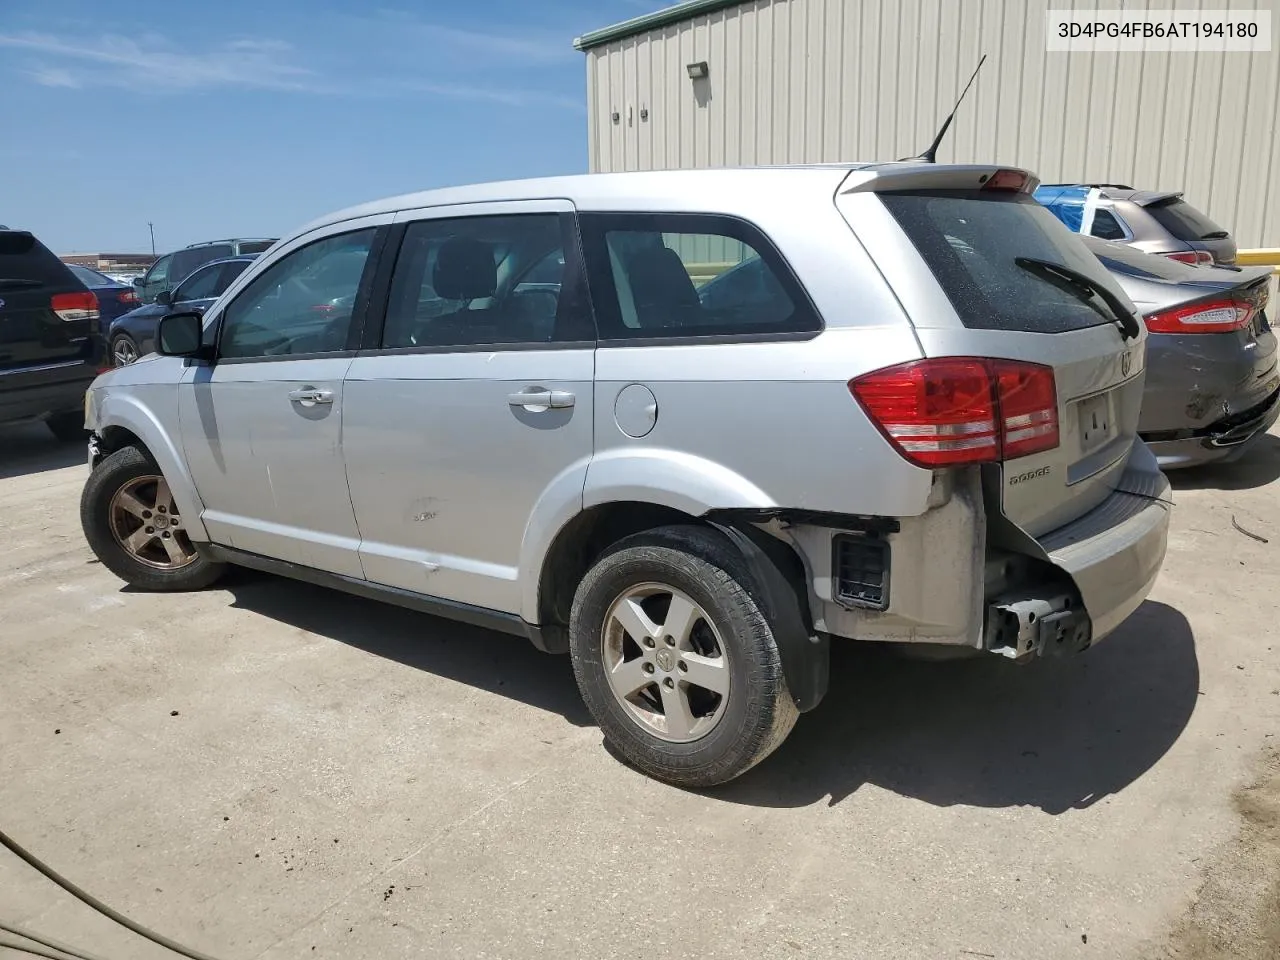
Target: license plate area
[(1097, 422)]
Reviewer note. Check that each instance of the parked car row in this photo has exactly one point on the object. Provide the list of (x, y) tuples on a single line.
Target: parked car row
[(168, 271)]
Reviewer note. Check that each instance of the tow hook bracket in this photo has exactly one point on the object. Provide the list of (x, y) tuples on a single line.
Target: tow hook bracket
[(1025, 627)]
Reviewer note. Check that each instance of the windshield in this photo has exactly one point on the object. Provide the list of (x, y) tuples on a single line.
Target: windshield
[(972, 240), (1184, 221)]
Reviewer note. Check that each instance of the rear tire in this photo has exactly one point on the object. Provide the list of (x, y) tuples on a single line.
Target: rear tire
[(133, 526), (68, 427), (675, 659)]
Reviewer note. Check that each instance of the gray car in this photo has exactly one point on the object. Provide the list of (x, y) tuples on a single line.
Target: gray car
[(1212, 380), (1153, 221), (512, 404)]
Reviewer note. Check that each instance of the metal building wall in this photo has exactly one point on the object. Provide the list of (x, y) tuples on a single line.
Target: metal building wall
[(829, 80)]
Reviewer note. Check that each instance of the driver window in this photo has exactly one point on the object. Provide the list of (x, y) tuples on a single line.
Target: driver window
[(477, 280), (301, 304)]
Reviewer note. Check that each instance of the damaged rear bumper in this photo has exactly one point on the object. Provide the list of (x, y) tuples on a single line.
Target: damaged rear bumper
[(1112, 555), (1222, 441)]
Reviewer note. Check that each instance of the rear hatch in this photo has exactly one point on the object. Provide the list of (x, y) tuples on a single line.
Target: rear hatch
[(1187, 224), (48, 318), (1017, 285)]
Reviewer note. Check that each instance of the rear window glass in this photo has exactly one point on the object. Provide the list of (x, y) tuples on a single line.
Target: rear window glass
[(1184, 221), (26, 262), (256, 246), (971, 239), (1122, 258), (90, 278)]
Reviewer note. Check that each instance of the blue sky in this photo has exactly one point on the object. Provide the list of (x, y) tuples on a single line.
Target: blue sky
[(249, 117)]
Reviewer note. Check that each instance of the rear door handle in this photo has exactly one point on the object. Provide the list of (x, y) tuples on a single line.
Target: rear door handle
[(546, 399), (309, 396)]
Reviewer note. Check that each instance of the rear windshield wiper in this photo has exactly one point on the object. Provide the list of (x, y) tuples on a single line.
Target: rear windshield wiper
[(1085, 287), (13, 284)]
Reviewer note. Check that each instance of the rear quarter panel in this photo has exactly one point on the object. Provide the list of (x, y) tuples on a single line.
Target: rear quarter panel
[(754, 424)]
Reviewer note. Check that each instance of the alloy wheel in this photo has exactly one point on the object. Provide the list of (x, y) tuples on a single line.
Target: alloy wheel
[(123, 352), (665, 662), (144, 520)]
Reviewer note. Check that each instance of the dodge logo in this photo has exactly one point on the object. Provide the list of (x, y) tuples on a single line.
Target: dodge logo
[(1126, 363)]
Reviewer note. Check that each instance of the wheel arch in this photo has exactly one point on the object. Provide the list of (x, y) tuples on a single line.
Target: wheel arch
[(124, 420), (778, 574)]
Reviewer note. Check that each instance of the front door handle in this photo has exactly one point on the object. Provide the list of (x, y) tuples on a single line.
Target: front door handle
[(310, 396), (542, 399)]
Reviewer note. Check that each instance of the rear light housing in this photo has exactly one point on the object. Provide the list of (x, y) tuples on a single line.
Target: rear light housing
[(75, 306), (1014, 180), (128, 296), (1195, 258), (1221, 316), (953, 411)]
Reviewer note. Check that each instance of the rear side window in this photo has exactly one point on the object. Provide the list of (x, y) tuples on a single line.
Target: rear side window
[(185, 262), (971, 239), (486, 280), (25, 262), (1184, 221), (1106, 226), (689, 275), (256, 246)]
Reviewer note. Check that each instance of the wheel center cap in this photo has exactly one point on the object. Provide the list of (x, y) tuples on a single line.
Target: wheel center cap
[(666, 660), (162, 522)]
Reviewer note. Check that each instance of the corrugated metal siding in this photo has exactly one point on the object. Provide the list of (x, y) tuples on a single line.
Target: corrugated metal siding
[(827, 80)]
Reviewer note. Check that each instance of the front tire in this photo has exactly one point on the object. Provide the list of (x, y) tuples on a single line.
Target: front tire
[(133, 526), (675, 659)]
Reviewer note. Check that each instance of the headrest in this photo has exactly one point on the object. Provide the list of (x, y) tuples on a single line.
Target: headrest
[(464, 270)]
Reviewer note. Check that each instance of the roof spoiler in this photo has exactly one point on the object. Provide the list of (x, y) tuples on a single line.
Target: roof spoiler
[(899, 176)]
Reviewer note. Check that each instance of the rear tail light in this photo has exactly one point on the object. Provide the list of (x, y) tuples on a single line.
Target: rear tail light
[(1221, 316), (962, 410), (128, 296), (1194, 257), (75, 306)]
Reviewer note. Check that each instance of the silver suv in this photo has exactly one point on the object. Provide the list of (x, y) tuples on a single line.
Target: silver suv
[(686, 427)]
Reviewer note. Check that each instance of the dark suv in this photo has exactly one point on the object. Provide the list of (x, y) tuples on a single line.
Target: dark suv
[(50, 346), (171, 269)]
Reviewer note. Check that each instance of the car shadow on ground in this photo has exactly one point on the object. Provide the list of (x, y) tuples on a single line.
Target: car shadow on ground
[(31, 448), (499, 663), (1056, 734), (1258, 466)]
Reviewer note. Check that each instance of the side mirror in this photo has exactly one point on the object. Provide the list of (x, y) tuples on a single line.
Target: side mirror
[(164, 298), (180, 335), (138, 282)]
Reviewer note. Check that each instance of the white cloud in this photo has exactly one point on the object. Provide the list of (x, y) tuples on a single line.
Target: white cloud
[(53, 77), (152, 64)]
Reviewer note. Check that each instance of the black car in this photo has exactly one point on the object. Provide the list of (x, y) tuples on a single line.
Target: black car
[(50, 346), (133, 335)]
